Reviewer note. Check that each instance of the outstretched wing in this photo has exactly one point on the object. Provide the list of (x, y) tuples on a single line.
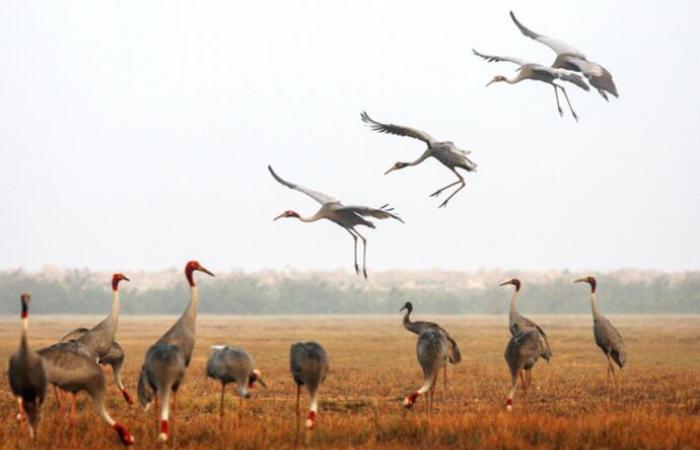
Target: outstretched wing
[(385, 212), (596, 74), (397, 129), (318, 196), (560, 47), (492, 58)]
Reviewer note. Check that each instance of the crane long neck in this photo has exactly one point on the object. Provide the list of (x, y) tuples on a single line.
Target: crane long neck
[(189, 317), (513, 309), (24, 341), (113, 318), (594, 305), (313, 218), (421, 158), (407, 317)]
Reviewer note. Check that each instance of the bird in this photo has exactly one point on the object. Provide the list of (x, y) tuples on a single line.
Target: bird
[(533, 71), (431, 350), (444, 151), (100, 339), (308, 363), (233, 365), (606, 335), (522, 352), (572, 59), (71, 367), (166, 361), (347, 216), (26, 376), (517, 322), (417, 327)]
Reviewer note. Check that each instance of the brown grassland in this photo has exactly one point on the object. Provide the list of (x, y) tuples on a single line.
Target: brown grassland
[(373, 366)]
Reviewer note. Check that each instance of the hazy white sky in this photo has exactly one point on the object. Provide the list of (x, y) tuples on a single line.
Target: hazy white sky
[(136, 134)]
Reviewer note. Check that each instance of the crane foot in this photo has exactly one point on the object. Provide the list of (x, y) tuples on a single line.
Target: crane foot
[(561, 112), (357, 269), (364, 272)]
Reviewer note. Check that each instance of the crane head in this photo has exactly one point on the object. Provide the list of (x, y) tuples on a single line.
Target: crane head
[(408, 306), (255, 376), (514, 281), (116, 278), (398, 165), (590, 280), (191, 267), (25, 298), (286, 214), (496, 79)]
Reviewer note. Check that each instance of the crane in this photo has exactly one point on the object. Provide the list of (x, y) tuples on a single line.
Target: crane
[(27, 376), (572, 59), (606, 335), (532, 71), (444, 151), (100, 339), (71, 366), (417, 327), (431, 350), (347, 217), (165, 362), (308, 363), (522, 352), (233, 365)]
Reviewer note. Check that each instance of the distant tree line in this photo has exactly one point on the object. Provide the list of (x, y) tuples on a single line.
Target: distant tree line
[(78, 292)]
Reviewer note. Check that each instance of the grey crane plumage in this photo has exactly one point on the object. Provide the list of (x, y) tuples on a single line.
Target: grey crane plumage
[(347, 216), (608, 339), (71, 367), (570, 58), (522, 352), (308, 363), (26, 375), (165, 362), (432, 349), (517, 322), (532, 71), (446, 152), (233, 365), (100, 339)]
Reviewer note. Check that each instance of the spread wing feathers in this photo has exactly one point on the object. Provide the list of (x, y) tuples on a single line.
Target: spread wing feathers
[(566, 75), (492, 58), (384, 212), (596, 74), (560, 47), (318, 196), (397, 129)]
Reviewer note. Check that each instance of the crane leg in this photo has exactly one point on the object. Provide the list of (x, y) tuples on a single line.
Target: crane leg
[(364, 254), (297, 408), (521, 373), (444, 383), (354, 237), (57, 393), (157, 411), (556, 95), (72, 409), (174, 415), (513, 387), (573, 113), (460, 182), (610, 367), (439, 191), (221, 406), (529, 377)]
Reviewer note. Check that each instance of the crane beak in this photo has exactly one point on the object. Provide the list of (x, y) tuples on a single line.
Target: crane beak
[(278, 217), (203, 269), (402, 308), (390, 170), (489, 83), (125, 278), (581, 280), (262, 383), (505, 283)]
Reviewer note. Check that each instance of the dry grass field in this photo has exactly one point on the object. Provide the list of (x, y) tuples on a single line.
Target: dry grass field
[(373, 367)]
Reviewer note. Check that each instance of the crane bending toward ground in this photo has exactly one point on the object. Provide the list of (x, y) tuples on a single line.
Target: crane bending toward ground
[(233, 365), (308, 363), (431, 350), (519, 323), (347, 216), (100, 339), (572, 59), (522, 352), (27, 376), (71, 367), (537, 72), (417, 327), (165, 362), (606, 335), (444, 151)]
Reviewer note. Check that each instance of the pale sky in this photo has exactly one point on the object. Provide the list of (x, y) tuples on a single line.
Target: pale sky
[(135, 135)]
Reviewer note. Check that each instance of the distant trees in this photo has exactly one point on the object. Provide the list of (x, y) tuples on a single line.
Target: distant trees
[(78, 292)]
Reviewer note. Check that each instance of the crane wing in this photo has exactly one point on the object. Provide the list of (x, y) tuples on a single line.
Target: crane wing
[(492, 58), (596, 74), (565, 75), (560, 47), (397, 129), (318, 196), (384, 212)]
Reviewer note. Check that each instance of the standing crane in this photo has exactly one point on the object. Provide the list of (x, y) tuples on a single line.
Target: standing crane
[(522, 352), (27, 376), (100, 339), (518, 323), (308, 363), (71, 367), (431, 350), (444, 151), (166, 360), (537, 72), (570, 58), (417, 327), (347, 217), (606, 335), (233, 365)]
